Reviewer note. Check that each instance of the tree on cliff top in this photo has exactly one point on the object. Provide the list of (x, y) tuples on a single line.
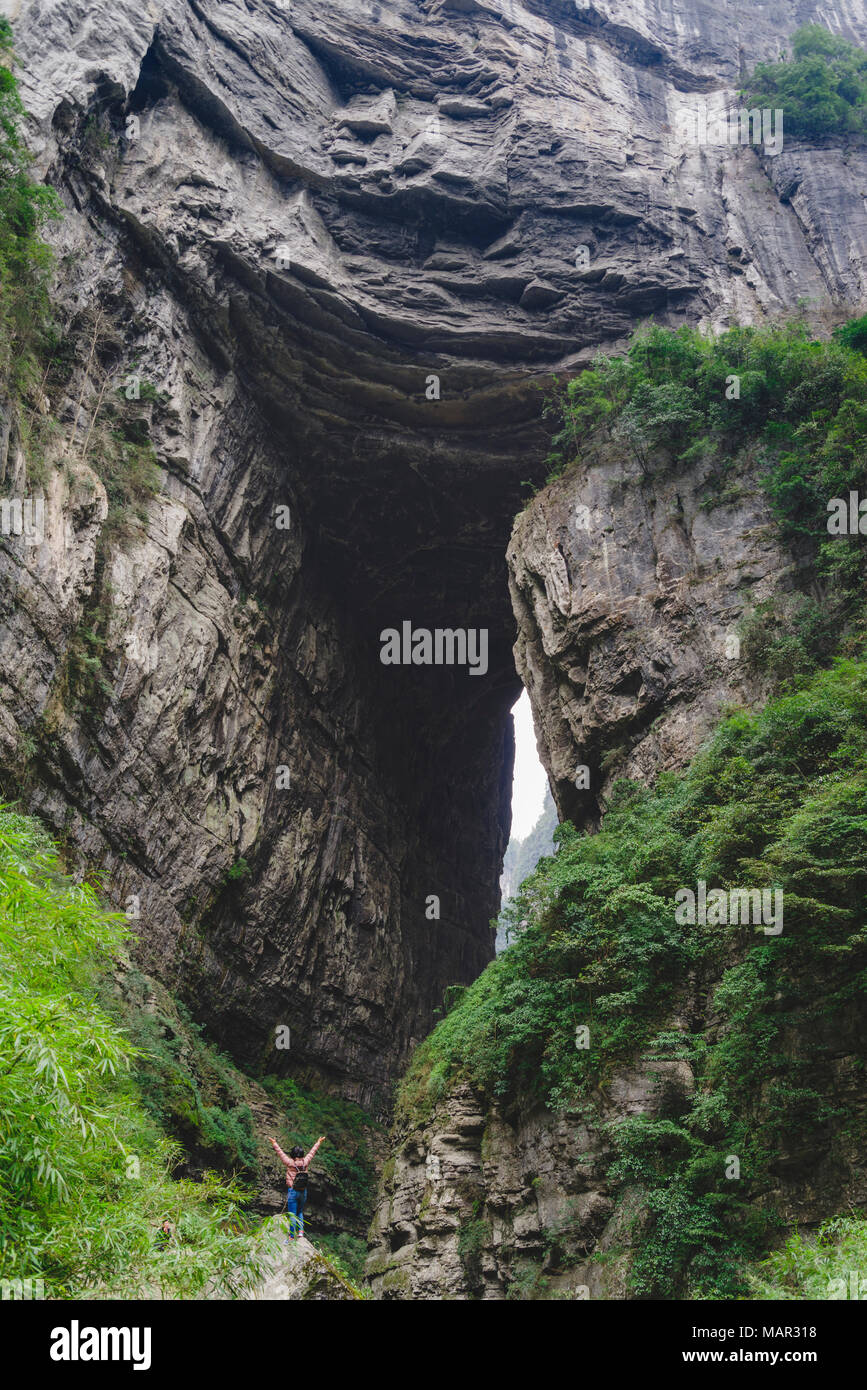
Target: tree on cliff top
[(822, 89)]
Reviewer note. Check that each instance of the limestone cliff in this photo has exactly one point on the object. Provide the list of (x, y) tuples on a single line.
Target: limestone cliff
[(629, 596), (293, 219), (483, 1202)]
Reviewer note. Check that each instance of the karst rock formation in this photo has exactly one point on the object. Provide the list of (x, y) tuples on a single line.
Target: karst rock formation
[(347, 242)]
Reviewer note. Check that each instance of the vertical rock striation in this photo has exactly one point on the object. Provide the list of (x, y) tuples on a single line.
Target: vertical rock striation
[(340, 242)]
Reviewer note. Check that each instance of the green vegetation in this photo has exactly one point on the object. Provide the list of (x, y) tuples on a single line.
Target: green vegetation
[(328, 1269), (822, 89), (346, 1159), (473, 1237), (85, 1171), (522, 856), (853, 334), (777, 800), (188, 1087), (799, 420), (348, 1255), (832, 1263), (528, 1285), (238, 871), (122, 455), (25, 260)]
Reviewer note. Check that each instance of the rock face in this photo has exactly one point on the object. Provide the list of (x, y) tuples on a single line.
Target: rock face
[(341, 242), (477, 1204), (628, 592), (295, 1270)]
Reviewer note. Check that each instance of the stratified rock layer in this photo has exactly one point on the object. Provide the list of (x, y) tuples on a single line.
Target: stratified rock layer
[(342, 240), (479, 1202)]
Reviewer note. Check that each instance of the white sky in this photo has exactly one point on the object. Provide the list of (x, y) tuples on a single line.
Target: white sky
[(530, 781)]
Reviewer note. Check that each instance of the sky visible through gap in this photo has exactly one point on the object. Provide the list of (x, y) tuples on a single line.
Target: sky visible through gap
[(529, 780)]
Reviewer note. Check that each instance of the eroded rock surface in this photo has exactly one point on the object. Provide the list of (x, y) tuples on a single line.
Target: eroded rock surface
[(629, 593), (478, 1203), (295, 218), (295, 1271)]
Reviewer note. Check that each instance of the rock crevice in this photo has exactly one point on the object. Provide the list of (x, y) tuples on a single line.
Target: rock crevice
[(340, 244)]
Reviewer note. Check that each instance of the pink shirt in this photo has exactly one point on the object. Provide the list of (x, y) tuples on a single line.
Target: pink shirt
[(293, 1164)]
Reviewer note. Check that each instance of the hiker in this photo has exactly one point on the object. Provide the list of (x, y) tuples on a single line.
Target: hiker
[(297, 1164)]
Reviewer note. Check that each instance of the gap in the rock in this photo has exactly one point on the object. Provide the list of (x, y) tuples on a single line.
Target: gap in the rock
[(529, 780), (533, 813)]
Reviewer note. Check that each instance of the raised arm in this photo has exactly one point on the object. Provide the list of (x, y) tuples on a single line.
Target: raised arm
[(307, 1157), (279, 1152)]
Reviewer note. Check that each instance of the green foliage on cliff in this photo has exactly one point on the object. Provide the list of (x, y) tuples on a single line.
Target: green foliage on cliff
[(473, 1238), (25, 260), (777, 800), (189, 1088), (821, 89), (85, 1173), (36, 353), (828, 1263), (799, 420), (346, 1158), (348, 1254)]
